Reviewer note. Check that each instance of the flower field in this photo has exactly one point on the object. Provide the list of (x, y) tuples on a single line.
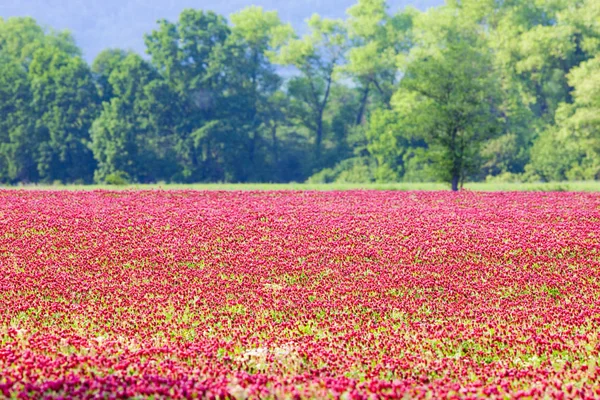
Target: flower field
[(183, 294)]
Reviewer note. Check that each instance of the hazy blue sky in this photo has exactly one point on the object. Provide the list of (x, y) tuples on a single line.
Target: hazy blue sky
[(99, 24)]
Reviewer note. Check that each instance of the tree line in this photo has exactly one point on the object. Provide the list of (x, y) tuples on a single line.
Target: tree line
[(471, 90)]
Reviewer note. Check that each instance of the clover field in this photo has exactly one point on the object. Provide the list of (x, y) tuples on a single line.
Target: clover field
[(352, 295)]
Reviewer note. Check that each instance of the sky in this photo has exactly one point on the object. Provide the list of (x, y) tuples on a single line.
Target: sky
[(100, 24)]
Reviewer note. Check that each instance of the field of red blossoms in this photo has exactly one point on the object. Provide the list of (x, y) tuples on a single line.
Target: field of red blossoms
[(183, 294)]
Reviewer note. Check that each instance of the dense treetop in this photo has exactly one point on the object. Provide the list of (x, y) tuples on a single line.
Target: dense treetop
[(123, 23), (473, 89)]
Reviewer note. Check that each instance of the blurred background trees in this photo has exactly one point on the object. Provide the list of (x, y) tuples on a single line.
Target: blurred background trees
[(471, 90)]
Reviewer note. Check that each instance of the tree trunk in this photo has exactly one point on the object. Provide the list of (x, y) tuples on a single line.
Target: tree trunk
[(321, 110), (275, 144), (455, 181), (319, 137), (363, 105)]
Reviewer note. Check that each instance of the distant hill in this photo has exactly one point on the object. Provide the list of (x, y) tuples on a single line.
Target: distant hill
[(97, 25)]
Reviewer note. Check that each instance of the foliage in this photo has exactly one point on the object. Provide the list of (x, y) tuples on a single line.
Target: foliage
[(317, 57), (471, 90), (103, 66), (118, 178), (45, 140), (351, 170), (448, 94), (17, 144), (133, 133)]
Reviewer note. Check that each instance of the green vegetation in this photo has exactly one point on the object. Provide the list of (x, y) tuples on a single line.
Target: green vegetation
[(472, 91), (589, 186)]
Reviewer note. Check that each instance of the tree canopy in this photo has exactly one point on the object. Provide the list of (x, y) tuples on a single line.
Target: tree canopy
[(471, 90)]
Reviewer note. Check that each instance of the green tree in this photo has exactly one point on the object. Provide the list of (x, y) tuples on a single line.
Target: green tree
[(17, 144), (377, 38), (474, 89), (134, 135), (571, 149), (53, 104), (536, 45), (247, 113), (386, 144), (65, 103), (448, 94), (316, 56), (104, 64), (20, 38), (183, 53)]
